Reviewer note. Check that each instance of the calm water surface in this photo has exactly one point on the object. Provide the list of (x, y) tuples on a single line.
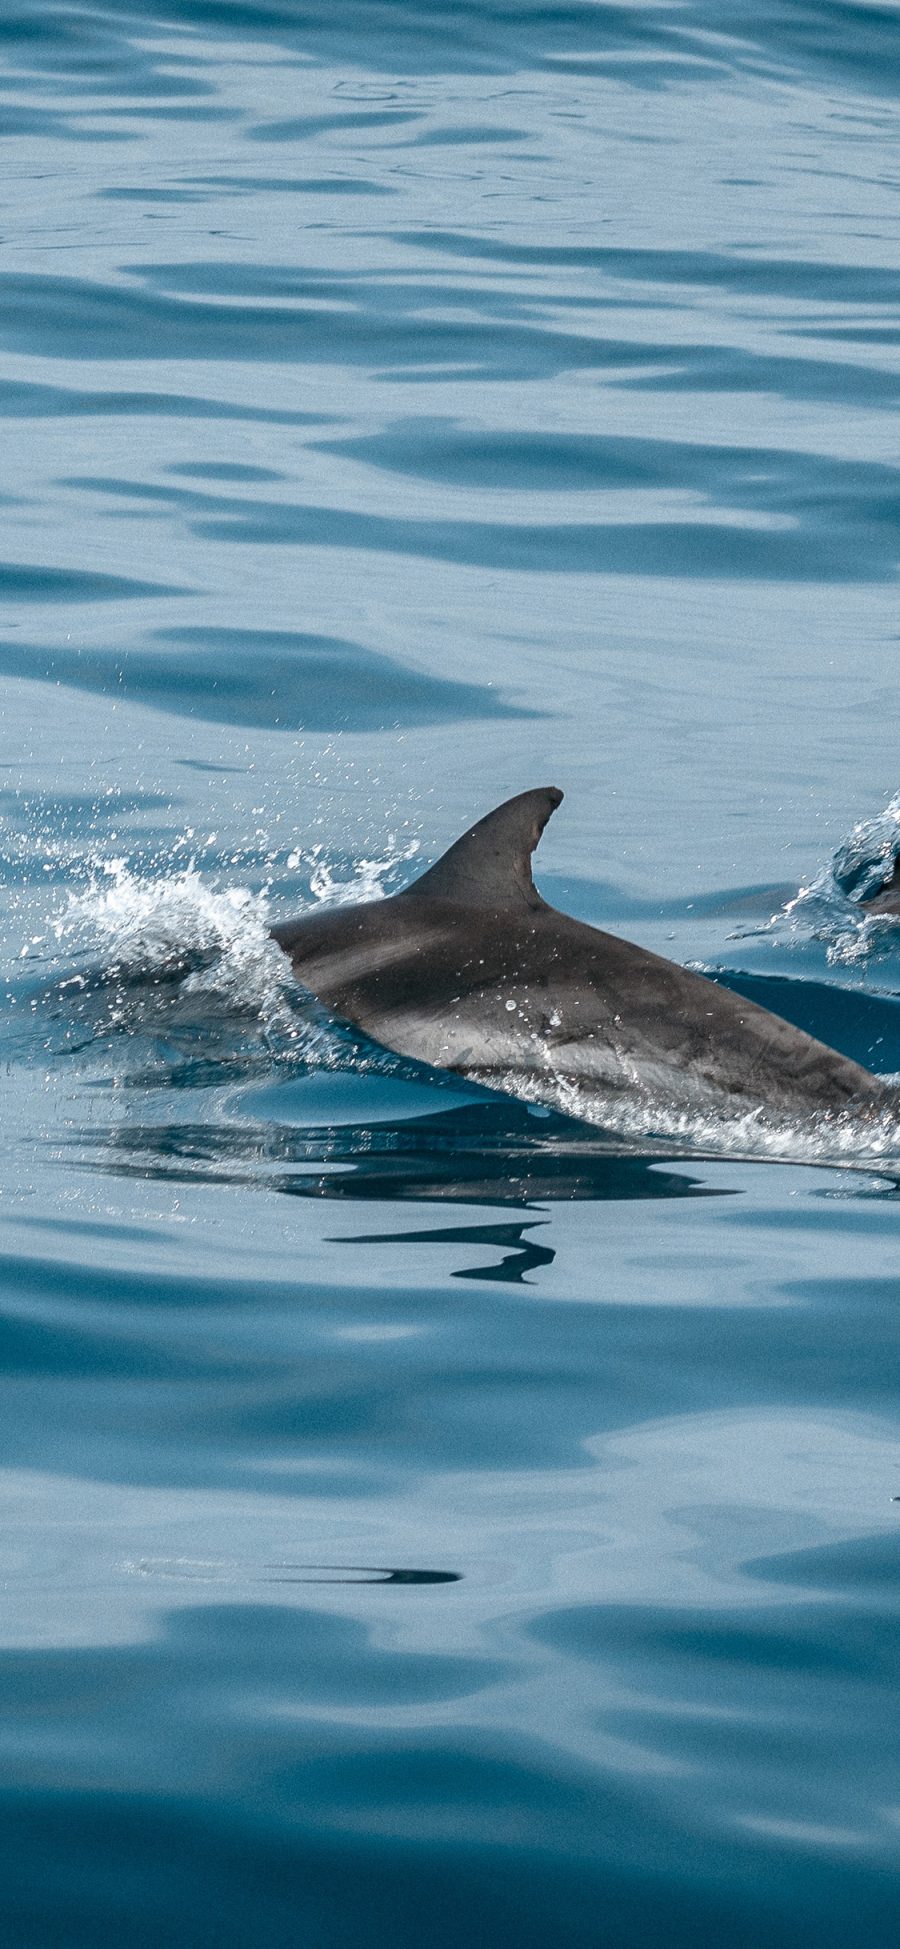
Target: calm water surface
[(422, 1520)]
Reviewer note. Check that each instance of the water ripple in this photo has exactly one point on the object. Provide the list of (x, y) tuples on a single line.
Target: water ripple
[(402, 403)]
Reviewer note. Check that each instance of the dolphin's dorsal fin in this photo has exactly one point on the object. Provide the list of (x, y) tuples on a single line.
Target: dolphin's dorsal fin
[(490, 866)]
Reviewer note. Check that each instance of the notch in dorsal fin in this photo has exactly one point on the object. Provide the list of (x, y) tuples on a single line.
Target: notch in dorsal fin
[(490, 866)]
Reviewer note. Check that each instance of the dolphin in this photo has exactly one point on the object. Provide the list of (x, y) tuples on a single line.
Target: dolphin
[(887, 899), (470, 970)]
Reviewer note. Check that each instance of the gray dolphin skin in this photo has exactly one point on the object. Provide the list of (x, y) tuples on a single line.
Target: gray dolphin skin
[(470, 970), (887, 900)]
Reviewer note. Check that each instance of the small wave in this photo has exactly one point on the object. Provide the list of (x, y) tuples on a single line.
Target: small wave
[(865, 861), (831, 910)]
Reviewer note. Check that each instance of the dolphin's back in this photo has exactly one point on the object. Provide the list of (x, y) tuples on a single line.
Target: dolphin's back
[(470, 970), (544, 997)]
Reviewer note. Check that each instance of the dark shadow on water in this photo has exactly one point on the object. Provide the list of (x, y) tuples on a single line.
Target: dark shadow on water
[(521, 1254), (490, 1152), (357, 1573), (30, 399), (277, 679)]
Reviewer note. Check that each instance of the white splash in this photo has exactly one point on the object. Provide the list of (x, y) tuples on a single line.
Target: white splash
[(153, 927), (367, 881), (829, 910), (212, 939), (650, 1122), (135, 918)]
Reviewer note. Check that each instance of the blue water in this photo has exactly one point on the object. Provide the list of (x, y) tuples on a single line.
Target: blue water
[(426, 1521)]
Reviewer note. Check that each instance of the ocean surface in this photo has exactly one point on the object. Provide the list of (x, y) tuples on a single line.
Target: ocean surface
[(428, 1519)]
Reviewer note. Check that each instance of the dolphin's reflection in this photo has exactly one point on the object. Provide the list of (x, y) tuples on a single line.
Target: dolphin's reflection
[(490, 1152), (521, 1254)]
